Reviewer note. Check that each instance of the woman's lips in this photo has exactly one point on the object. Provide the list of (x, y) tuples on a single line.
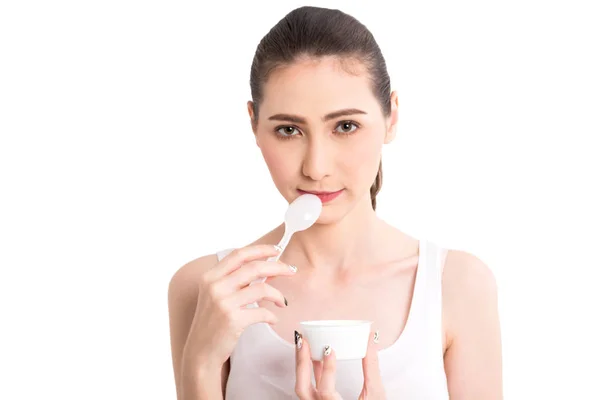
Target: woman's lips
[(324, 196)]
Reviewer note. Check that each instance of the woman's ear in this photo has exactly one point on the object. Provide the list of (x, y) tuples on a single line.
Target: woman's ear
[(252, 116), (250, 106), (390, 134)]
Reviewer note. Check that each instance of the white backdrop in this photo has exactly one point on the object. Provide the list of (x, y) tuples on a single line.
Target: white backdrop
[(126, 151)]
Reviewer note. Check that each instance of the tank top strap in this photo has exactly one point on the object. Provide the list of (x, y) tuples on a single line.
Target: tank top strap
[(435, 257), (428, 313)]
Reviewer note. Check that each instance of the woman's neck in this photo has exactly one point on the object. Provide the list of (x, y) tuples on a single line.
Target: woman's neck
[(352, 241)]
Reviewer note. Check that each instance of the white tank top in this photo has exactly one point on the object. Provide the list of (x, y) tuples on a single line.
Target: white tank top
[(412, 368)]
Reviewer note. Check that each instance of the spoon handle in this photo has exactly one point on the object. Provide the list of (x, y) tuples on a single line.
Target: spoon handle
[(282, 244)]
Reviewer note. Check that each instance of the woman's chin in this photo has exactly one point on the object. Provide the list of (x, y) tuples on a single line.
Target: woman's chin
[(331, 214)]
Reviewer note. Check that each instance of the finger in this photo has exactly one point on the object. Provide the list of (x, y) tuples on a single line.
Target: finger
[(250, 316), (239, 257), (372, 375), (326, 385), (254, 293), (255, 270), (304, 388), (317, 370)]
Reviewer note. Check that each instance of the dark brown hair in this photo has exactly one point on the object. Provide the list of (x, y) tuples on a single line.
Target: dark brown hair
[(316, 32)]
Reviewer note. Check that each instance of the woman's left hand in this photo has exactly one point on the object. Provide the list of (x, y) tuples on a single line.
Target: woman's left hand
[(324, 372)]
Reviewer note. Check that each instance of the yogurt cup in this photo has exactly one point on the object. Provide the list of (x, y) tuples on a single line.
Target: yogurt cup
[(349, 339)]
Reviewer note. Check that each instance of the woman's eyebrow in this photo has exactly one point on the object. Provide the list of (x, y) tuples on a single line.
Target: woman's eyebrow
[(301, 120), (341, 113)]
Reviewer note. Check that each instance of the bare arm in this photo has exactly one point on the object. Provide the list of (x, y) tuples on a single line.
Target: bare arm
[(183, 297), (473, 359), (207, 315)]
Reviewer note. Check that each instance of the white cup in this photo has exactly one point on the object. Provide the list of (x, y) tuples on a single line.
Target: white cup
[(349, 339)]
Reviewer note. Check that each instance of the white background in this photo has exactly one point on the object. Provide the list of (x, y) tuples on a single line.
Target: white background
[(126, 151)]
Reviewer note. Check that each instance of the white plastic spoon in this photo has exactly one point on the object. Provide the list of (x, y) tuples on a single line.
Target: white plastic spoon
[(301, 214)]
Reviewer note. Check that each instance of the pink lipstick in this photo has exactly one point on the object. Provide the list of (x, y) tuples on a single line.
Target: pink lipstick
[(324, 196)]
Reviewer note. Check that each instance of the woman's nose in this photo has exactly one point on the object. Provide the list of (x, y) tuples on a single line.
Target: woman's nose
[(317, 160)]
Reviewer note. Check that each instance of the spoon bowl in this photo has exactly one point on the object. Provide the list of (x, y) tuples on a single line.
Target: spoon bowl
[(301, 214)]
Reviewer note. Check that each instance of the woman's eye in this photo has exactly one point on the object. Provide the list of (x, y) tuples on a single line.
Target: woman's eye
[(287, 131), (346, 127)]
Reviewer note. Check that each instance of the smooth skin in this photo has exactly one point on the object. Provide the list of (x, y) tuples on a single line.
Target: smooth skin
[(320, 128)]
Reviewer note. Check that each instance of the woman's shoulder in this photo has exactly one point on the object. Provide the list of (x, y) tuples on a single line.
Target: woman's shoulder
[(465, 271), (186, 278), (470, 299)]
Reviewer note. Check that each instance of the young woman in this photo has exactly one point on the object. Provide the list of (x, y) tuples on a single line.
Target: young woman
[(321, 110)]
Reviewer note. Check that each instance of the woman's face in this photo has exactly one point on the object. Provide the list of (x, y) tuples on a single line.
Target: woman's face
[(321, 129)]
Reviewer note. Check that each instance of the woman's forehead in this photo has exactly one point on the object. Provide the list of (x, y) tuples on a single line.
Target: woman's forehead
[(317, 87)]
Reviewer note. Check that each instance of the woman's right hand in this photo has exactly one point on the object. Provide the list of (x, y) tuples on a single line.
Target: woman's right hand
[(221, 314)]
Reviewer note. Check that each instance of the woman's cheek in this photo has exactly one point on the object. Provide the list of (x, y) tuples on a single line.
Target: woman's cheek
[(363, 155), (280, 165)]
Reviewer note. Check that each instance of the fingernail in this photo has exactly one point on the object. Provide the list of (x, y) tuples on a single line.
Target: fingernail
[(327, 350), (278, 248), (376, 337), (298, 340), (293, 268), (285, 301)]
